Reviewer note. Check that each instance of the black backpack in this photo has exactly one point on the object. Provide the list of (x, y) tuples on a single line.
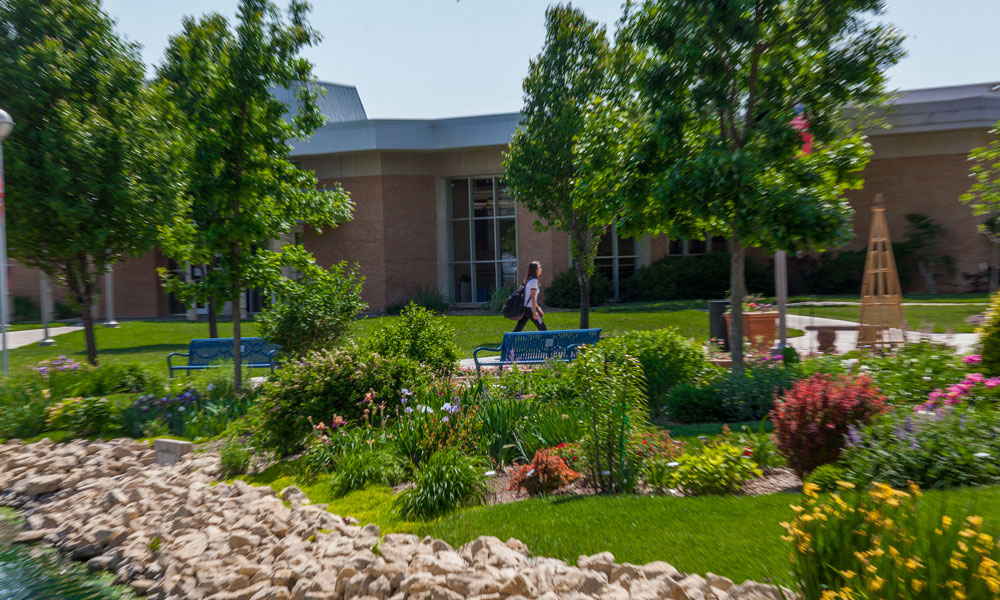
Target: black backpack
[(513, 306)]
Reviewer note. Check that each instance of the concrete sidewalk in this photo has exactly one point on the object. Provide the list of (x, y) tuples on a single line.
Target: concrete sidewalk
[(27, 337), (846, 340)]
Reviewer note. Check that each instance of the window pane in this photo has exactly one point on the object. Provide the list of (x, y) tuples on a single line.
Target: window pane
[(604, 245), (486, 280), (626, 267), (458, 198), (696, 246), (508, 238), (505, 203), (719, 244), (459, 240), (676, 247), (626, 246), (508, 272), (485, 243), (603, 266), (482, 197), (462, 282)]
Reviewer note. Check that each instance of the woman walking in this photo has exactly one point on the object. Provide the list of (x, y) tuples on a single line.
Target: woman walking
[(532, 311)]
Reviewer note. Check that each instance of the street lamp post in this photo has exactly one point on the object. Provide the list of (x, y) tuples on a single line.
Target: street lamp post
[(6, 127)]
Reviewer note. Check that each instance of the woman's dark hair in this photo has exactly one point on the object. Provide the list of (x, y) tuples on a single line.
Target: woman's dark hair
[(533, 270)]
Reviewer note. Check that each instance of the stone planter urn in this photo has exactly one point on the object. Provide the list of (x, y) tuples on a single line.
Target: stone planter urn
[(720, 361), (758, 327)]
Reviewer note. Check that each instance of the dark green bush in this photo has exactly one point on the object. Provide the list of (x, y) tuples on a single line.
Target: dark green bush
[(26, 309), (315, 312), (990, 337), (22, 408), (704, 276), (825, 477), (324, 384), (448, 480), (85, 416), (498, 296), (688, 403), (420, 335), (425, 297), (564, 291), (65, 312), (234, 458), (364, 466), (749, 395), (667, 359)]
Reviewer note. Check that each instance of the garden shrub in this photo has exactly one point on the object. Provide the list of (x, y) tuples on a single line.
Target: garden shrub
[(692, 277), (812, 419), (748, 395), (498, 296), (546, 473), (84, 416), (314, 312), (571, 454), (612, 405), (564, 290), (667, 359), (65, 312), (989, 337), (364, 466), (23, 405), (425, 297), (448, 480), (549, 424), (827, 478), (689, 403), (950, 446), (171, 411), (26, 309), (418, 335), (234, 458), (501, 421), (323, 384), (719, 468), (760, 446), (433, 417), (891, 544)]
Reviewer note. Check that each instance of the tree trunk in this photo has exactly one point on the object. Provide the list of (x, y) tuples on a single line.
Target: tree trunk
[(584, 280), (213, 319), (87, 314), (737, 287), (237, 345)]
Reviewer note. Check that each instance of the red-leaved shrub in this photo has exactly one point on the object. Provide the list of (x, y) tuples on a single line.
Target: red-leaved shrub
[(811, 419), (546, 474)]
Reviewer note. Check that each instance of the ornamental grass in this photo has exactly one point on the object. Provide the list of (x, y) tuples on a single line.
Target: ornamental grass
[(890, 544)]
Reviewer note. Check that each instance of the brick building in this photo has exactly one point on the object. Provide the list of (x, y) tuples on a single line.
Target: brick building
[(431, 209)]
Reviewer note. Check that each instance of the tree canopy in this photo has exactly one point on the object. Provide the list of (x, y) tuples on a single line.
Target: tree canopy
[(709, 146), (244, 190), (91, 166)]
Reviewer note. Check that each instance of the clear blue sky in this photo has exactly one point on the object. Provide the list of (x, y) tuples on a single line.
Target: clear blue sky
[(438, 58)]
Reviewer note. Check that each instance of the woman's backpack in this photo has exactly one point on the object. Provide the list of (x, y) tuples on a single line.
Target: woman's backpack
[(513, 306)]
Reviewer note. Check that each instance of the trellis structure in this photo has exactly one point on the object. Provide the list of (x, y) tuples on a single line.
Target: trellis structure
[(881, 321)]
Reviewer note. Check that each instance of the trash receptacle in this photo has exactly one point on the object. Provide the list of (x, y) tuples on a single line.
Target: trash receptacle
[(716, 322)]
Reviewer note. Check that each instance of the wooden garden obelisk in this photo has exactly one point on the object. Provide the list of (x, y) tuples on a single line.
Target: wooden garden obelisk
[(881, 322)]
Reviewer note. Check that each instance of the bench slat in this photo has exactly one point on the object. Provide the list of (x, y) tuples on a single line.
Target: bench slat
[(532, 347), (204, 353)]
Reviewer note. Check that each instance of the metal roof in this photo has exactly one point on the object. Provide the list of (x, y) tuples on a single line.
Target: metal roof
[(340, 103), (974, 106)]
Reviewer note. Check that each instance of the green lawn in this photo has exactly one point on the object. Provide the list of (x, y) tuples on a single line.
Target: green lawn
[(28, 326), (969, 297), (148, 342), (735, 536), (940, 318)]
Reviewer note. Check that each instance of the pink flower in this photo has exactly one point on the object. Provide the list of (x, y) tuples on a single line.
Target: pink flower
[(937, 393), (972, 359), (992, 382), (974, 378)]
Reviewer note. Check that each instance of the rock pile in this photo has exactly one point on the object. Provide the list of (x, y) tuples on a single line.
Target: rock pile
[(171, 533)]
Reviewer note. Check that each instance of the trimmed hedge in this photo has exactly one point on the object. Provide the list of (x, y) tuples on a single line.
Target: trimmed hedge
[(692, 277), (564, 291)]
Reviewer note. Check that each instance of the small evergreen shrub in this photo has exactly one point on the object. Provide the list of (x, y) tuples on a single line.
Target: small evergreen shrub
[(324, 384), (826, 477), (564, 291), (667, 359), (26, 309), (448, 480), (812, 419), (748, 395), (546, 473), (718, 469), (420, 335), (234, 458), (65, 312), (425, 297), (989, 337), (704, 276), (314, 312), (364, 466), (688, 403)]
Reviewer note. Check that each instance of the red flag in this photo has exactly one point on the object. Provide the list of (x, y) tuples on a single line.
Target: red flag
[(801, 124)]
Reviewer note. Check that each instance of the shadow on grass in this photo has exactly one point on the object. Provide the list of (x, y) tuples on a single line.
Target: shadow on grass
[(666, 306), (140, 349)]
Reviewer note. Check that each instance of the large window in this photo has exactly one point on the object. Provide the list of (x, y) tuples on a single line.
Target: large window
[(617, 257), (482, 237)]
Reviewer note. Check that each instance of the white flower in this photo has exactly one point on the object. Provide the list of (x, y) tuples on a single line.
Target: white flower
[(849, 363), (673, 464), (983, 455), (926, 378), (863, 368), (490, 473)]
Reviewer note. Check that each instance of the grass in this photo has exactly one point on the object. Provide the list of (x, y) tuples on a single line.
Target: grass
[(735, 536), (32, 326), (964, 298), (940, 318)]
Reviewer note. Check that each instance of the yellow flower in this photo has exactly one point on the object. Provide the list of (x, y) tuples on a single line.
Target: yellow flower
[(811, 489), (876, 584), (975, 521), (848, 574), (913, 564), (871, 569), (917, 585), (846, 484), (945, 521), (957, 564)]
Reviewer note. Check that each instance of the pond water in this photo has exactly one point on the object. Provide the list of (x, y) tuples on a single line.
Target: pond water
[(36, 573)]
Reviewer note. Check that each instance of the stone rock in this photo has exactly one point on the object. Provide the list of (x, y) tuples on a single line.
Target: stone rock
[(169, 452)]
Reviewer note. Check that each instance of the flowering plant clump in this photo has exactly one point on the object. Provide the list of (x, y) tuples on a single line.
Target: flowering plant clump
[(660, 445), (46, 367), (812, 418), (547, 473), (719, 468), (434, 417), (974, 389), (890, 544), (569, 452), (173, 410)]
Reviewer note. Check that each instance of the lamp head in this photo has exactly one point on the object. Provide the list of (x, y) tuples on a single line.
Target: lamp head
[(6, 125)]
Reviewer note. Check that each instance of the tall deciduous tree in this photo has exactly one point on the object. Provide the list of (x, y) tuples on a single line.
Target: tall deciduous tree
[(91, 164), (244, 190), (984, 195), (713, 149), (542, 165)]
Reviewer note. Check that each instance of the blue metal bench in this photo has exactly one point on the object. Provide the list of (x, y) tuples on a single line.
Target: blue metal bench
[(206, 353), (534, 347)]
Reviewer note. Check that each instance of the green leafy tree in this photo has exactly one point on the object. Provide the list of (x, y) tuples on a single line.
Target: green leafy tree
[(922, 245), (244, 190), (710, 147), (92, 164), (984, 195), (542, 165)]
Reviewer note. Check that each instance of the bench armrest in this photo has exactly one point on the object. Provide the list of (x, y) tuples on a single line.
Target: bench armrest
[(272, 359), (169, 365), (475, 354)]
